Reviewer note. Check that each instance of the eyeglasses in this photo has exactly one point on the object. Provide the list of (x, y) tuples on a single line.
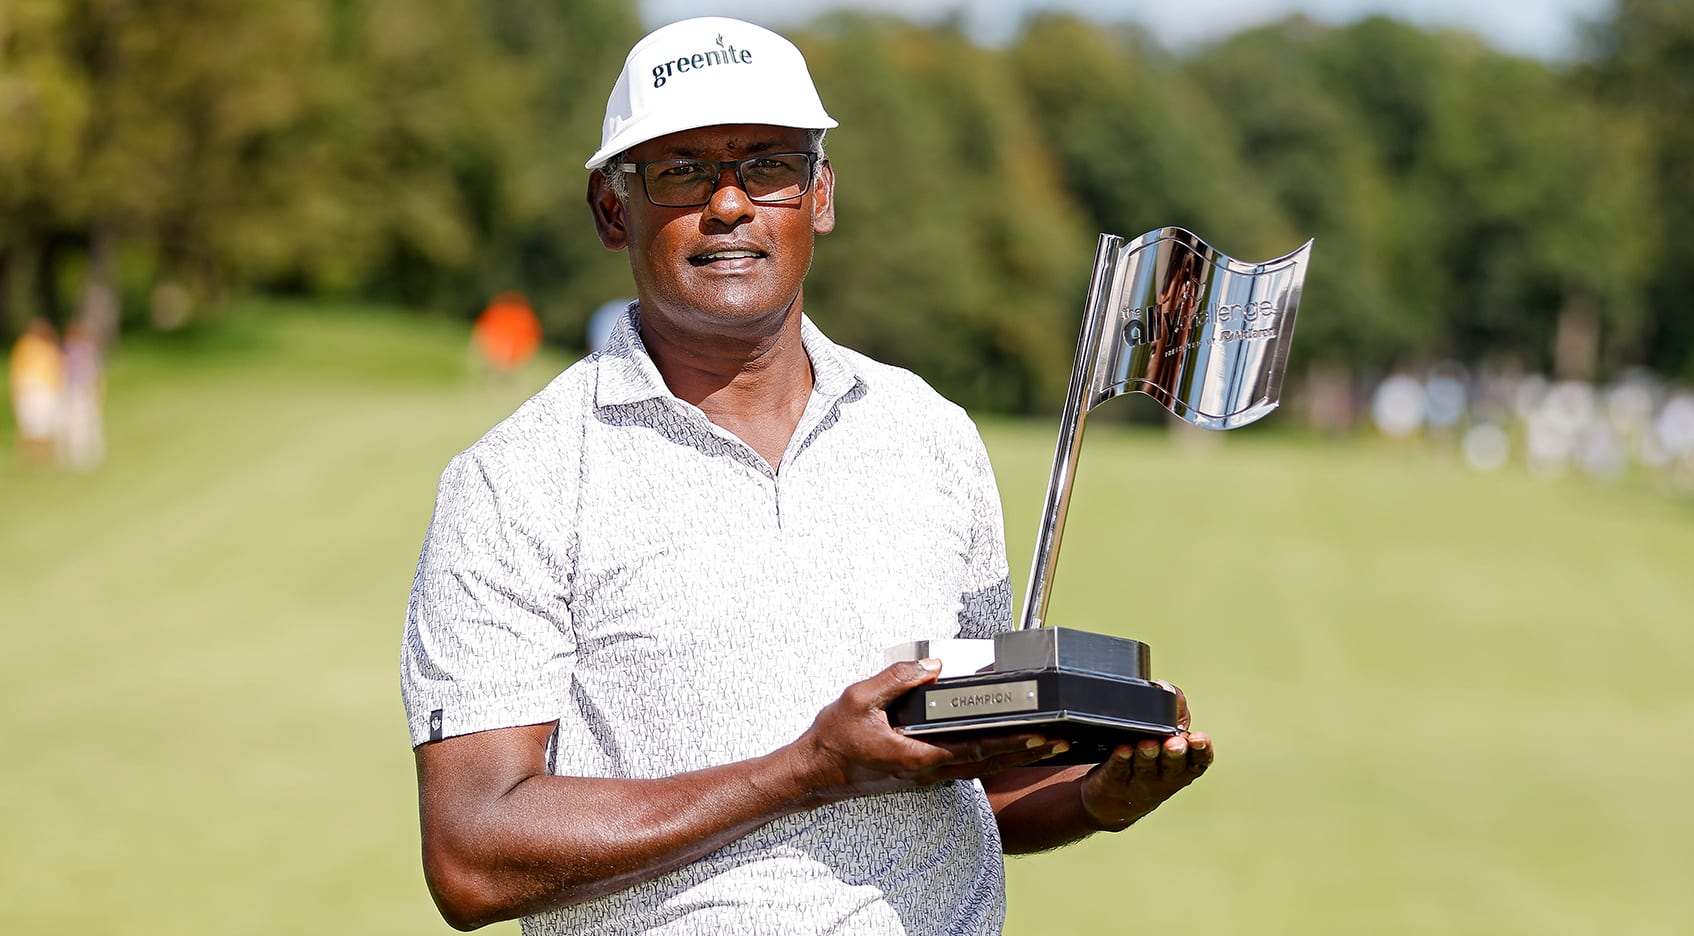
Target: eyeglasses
[(687, 183)]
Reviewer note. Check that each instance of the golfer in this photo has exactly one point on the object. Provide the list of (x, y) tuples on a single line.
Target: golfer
[(642, 657)]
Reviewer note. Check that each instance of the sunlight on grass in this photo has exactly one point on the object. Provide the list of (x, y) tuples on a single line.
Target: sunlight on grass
[(1444, 702)]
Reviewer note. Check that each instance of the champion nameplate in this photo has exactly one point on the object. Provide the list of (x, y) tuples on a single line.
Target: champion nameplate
[(942, 704)]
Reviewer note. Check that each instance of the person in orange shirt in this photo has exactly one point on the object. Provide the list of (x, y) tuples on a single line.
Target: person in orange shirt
[(507, 333), (37, 381)]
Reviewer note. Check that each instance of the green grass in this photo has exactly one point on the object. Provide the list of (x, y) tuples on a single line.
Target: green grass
[(1444, 702)]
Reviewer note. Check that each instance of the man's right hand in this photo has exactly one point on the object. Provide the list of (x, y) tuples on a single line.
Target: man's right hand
[(851, 750)]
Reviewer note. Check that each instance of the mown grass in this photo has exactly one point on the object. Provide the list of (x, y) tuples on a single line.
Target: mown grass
[(1444, 702)]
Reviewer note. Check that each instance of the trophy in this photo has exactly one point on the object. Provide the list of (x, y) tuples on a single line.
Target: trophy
[(1207, 337)]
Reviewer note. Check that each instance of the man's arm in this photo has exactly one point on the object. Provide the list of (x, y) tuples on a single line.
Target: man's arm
[(1039, 808), (502, 838)]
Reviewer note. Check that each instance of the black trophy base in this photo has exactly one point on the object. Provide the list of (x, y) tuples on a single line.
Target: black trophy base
[(1092, 690)]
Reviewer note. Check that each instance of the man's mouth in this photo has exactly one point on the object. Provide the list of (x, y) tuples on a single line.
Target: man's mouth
[(724, 255)]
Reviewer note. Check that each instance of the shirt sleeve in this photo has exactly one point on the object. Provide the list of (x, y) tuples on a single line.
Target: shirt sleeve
[(985, 608), (488, 640)]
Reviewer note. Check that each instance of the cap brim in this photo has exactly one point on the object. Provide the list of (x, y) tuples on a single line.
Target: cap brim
[(640, 130)]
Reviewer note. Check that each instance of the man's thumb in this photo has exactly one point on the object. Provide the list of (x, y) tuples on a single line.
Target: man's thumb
[(907, 674)]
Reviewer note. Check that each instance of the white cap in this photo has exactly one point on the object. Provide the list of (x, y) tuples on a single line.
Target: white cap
[(704, 72)]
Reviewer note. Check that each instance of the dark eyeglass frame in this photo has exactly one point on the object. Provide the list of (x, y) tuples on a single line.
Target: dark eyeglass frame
[(718, 166)]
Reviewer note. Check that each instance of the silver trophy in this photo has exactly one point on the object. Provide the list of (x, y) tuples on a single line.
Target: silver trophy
[(1205, 335)]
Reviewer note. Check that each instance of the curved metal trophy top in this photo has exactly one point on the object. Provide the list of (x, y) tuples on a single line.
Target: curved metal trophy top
[(1204, 334), (1170, 316)]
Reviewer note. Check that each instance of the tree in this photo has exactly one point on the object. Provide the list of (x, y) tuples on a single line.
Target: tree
[(44, 106), (1644, 65), (398, 150), (1138, 144), (459, 133), (956, 251), (1515, 199), (1329, 179), (171, 127)]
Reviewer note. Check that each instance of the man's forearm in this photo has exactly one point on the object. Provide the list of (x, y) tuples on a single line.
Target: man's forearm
[(551, 842), (503, 838), (1039, 808)]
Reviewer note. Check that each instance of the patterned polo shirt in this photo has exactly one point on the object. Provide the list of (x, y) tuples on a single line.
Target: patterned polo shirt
[(610, 559)]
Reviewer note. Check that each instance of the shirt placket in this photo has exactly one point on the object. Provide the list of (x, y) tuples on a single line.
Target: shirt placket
[(716, 440)]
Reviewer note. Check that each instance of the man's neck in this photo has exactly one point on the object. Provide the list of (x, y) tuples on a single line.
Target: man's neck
[(754, 385)]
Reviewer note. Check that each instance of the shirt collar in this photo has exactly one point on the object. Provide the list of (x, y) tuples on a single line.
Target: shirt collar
[(627, 373)]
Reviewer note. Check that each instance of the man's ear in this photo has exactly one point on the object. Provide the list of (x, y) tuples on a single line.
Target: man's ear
[(611, 215), (823, 199)]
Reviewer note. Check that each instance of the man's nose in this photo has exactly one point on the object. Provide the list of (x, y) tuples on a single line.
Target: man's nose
[(729, 205)]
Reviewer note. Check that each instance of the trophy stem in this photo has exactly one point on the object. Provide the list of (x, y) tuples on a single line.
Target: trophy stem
[(1069, 446)]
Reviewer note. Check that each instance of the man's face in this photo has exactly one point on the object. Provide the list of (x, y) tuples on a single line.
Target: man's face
[(730, 263)]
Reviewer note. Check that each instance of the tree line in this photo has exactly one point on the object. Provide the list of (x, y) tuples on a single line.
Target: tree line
[(1469, 205)]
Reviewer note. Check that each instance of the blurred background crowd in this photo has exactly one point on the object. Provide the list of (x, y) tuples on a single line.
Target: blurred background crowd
[(1637, 424), (1477, 213)]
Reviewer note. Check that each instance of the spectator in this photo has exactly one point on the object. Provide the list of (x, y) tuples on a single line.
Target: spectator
[(37, 378), (82, 434), (507, 333)]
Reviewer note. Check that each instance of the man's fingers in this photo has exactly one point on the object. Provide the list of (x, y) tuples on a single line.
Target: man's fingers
[(886, 686), (1199, 752), (1119, 767), (1137, 777), (1183, 717), (1173, 757), (1132, 762), (990, 746), (969, 770)]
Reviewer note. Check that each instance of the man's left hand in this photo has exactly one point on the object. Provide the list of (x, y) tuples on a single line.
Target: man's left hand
[(1137, 778)]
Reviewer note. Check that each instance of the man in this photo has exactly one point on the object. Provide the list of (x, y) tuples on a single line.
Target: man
[(642, 594)]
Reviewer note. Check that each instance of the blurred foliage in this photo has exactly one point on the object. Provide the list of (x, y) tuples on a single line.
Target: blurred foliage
[(416, 151), (1642, 64), (1466, 202), (956, 250)]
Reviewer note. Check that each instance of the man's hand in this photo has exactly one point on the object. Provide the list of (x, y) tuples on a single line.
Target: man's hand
[(850, 749), (1137, 778), (1046, 807)]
